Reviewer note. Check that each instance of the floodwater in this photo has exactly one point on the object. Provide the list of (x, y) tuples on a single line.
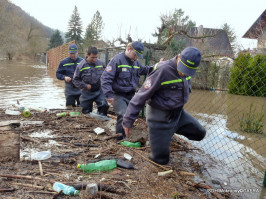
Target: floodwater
[(30, 85), (234, 158)]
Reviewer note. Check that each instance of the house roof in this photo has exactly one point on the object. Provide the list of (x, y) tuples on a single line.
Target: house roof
[(211, 42), (255, 30)]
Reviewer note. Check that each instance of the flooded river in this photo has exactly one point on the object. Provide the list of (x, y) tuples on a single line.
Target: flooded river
[(234, 158)]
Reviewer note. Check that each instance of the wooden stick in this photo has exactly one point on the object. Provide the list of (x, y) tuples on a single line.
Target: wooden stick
[(40, 167), (19, 176), (29, 139), (7, 189), (42, 192), (187, 173), (113, 136), (154, 163), (29, 185)]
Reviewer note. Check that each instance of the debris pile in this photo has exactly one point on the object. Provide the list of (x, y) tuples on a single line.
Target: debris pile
[(78, 140)]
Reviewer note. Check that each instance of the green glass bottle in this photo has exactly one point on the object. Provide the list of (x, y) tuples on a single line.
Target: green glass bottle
[(130, 144), (103, 165)]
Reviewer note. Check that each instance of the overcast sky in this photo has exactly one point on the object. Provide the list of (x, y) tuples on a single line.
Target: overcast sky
[(141, 17)]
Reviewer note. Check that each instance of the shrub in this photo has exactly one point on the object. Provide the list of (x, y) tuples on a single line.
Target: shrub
[(248, 75)]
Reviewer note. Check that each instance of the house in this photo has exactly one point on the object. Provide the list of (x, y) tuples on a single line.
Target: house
[(211, 42), (258, 31)]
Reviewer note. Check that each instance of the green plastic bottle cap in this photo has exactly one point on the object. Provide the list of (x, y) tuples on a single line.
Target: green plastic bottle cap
[(78, 166), (76, 193)]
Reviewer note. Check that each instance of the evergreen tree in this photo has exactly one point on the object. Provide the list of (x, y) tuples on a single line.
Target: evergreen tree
[(55, 40), (231, 35), (172, 22), (74, 27), (94, 29)]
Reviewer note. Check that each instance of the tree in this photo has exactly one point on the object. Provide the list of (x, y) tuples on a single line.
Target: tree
[(172, 22), (74, 27), (231, 35), (94, 29), (55, 40)]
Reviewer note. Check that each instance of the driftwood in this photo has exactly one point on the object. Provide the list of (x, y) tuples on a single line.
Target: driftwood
[(29, 139), (29, 185), (113, 136), (19, 176), (42, 192), (187, 173), (7, 189)]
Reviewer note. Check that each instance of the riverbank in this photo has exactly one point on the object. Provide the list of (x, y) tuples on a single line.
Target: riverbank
[(72, 141)]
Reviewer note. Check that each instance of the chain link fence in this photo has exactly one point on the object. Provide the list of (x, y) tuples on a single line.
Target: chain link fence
[(228, 98)]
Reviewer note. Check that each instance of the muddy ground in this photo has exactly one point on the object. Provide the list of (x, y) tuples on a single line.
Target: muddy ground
[(69, 140)]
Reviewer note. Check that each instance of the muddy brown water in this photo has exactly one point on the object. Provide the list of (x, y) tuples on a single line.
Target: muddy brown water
[(234, 158)]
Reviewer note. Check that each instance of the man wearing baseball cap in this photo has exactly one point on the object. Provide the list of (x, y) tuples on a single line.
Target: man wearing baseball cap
[(121, 78), (66, 71), (166, 91)]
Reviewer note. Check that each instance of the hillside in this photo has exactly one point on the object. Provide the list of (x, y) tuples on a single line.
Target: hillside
[(20, 33)]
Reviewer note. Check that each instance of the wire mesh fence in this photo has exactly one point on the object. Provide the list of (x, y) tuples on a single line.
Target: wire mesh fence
[(228, 98)]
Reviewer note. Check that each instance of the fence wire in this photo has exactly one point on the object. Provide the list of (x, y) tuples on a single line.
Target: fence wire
[(228, 98)]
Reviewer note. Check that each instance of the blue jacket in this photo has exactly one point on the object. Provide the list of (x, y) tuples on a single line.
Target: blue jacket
[(67, 67), (89, 73), (163, 89), (122, 75)]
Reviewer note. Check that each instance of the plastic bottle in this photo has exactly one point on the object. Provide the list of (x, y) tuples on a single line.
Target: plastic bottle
[(26, 113), (100, 117), (12, 112), (130, 144), (67, 190), (103, 165), (73, 114), (63, 114), (92, 189)]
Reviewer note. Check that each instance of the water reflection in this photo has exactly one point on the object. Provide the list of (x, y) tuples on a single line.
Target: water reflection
[(30, 84), (243, 154)]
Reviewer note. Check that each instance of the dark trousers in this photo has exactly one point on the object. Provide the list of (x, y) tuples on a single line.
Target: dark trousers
[(121, 102), (163, 125), (88, 97), (72, 95)]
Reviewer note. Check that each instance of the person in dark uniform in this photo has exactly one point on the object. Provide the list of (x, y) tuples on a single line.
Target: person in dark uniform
[(121, 78), (166, 90), (87, 77), (66, 71)]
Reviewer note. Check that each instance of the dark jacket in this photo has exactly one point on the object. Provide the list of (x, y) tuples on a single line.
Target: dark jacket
[(121, 75), (89, 73), (67, 67), (163, 89)]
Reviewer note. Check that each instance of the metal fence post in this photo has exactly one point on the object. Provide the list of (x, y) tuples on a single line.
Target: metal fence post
[(146, 63), (106, 56)]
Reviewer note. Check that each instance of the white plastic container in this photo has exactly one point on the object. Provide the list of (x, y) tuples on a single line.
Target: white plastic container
[(12, 112), (43, 155)]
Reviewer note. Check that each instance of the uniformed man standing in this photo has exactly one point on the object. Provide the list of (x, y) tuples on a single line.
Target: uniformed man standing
[(121, 78), (66, 71), (166, 90), (87, 77)]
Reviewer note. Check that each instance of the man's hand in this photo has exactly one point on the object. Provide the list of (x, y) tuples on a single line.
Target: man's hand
[(162, 59), (67, 79), (127, 131), (110, 100), (89, 86)]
